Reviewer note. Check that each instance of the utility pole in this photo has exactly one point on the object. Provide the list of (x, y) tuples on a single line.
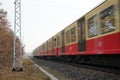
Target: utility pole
[(17, 54)]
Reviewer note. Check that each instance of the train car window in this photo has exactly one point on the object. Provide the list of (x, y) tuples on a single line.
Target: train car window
[(42, 47), (48, 45), (73, 34), (107, 18), (68, 37), (55, 42), (51, 44), (92, 26), (59, 40)]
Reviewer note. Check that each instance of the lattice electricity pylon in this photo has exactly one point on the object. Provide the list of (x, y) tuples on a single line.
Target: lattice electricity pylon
[(17, 54)]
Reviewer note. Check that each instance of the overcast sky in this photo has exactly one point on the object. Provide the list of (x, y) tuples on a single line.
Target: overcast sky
[(41, 19)]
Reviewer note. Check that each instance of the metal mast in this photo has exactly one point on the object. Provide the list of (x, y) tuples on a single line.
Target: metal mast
[(17, 55)]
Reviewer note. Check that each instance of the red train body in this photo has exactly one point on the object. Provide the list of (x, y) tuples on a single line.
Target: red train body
[(95, 34)]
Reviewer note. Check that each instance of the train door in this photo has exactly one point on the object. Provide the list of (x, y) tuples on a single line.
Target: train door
[(55, 46), (52, 45), (81, 35), (47, 47), (63, 42)]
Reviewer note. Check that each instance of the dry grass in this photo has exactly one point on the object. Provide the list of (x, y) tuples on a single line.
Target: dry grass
[(30, 72)]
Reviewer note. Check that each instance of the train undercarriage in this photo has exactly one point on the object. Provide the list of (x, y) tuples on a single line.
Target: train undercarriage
[(112, 61)]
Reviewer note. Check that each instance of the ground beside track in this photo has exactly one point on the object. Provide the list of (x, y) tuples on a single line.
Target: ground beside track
[(68, 72), (30, 72)]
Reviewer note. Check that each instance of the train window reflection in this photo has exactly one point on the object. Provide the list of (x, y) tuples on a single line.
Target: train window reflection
[(92, 26), (59, 40), (73, 34), (68, 37), (107, 20)]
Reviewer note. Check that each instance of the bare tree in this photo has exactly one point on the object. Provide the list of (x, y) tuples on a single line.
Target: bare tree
[(6, 40)]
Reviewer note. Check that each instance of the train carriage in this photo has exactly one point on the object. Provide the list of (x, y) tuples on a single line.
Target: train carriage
[(50, 51), (43, 49), (94, 38), (103, 29), (59, 43), (71, 39), (35, 52), (55, 45)]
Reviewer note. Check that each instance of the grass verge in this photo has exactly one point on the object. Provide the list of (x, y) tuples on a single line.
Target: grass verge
[(30, 72)]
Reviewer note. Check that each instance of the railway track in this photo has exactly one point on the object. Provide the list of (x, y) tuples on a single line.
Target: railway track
[(106, 69), (70, 71)]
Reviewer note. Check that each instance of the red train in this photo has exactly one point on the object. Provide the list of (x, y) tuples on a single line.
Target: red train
[(94, 38)]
